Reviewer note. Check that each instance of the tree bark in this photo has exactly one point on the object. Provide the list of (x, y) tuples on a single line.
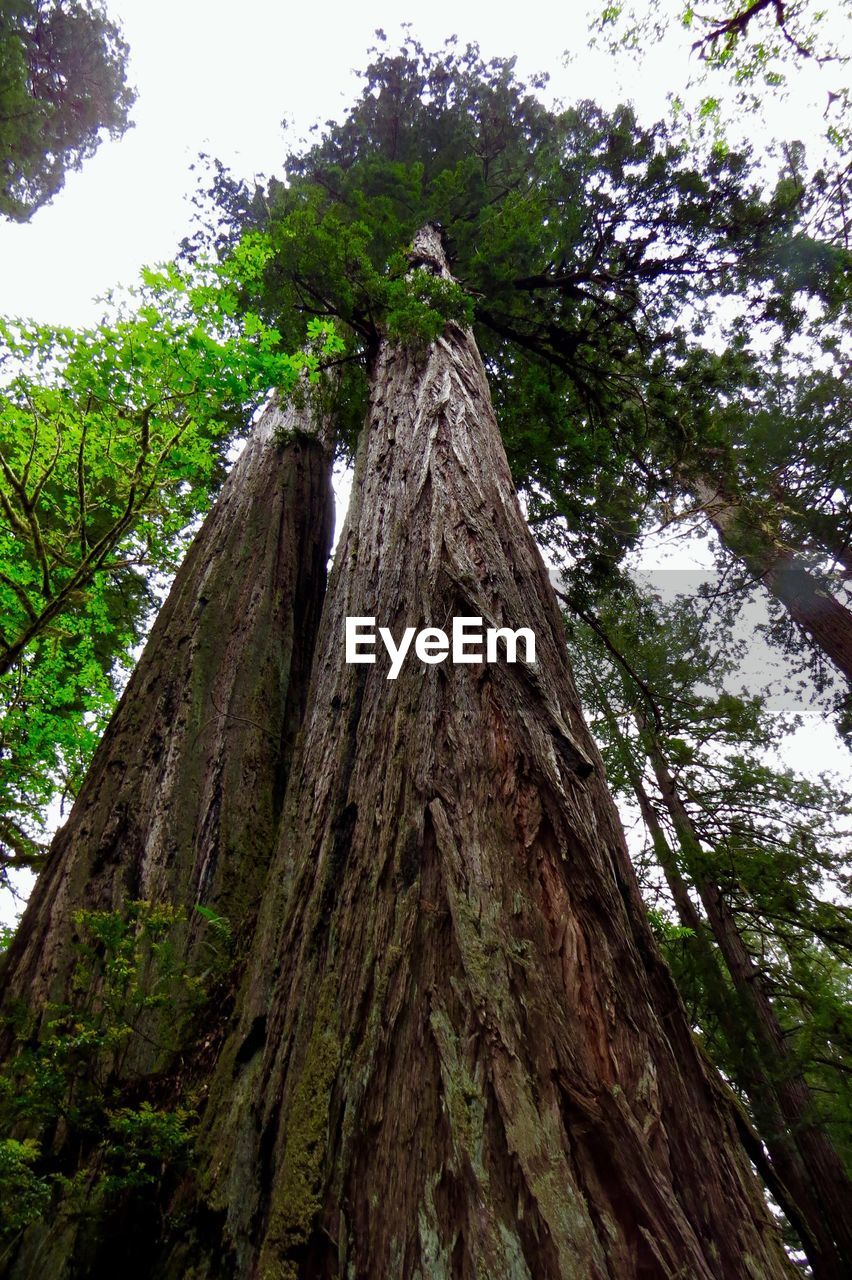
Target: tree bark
[(800, 1148), (182, 800), (459, 1053), (822, 617)]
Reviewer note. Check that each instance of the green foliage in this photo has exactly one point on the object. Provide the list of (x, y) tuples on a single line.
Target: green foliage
[(582, 241), (757, 42), (773, 843), (63, 1094), (62, 86), (141, 1144), (218, 941), (112, 444), (217, 922), (24, 1196), (741, 58), (419, 305), (665, 930)]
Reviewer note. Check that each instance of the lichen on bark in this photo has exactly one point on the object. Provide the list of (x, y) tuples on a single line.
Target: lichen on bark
[(297, 1194)]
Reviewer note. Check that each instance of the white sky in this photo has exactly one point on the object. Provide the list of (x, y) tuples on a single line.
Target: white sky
[(220, 77)]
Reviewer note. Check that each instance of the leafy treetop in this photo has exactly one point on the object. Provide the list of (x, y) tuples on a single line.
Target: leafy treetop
[(62, 85), (593, 249)]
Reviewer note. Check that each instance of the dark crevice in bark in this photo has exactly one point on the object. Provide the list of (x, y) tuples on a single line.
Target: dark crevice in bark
[(252, 1044)]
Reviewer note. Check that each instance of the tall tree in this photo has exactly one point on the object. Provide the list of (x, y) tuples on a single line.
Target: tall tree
[(581, 238), (180, 805), (478, 1083), (63, 85), (753, 845), (456, 1049), (172, 830), (112, 443)]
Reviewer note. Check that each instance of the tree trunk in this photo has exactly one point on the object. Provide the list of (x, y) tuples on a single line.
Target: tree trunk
[(809, 603), (772, 1148), (801, 1150), (182, 800), (459, 1053), (818, 532)]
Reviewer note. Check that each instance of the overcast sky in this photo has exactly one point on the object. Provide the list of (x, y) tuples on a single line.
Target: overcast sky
[(221, 77)]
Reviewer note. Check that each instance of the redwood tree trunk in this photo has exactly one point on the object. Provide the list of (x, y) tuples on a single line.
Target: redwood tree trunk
[(182, 800), (459, 1053), (820, 615)]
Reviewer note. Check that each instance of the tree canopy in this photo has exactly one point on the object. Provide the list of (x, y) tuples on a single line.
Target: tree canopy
[(63, 85), (601, 259)]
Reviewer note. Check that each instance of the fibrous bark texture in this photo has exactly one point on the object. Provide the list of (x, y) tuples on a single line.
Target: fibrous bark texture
[(182, 800), (459, 1053)]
